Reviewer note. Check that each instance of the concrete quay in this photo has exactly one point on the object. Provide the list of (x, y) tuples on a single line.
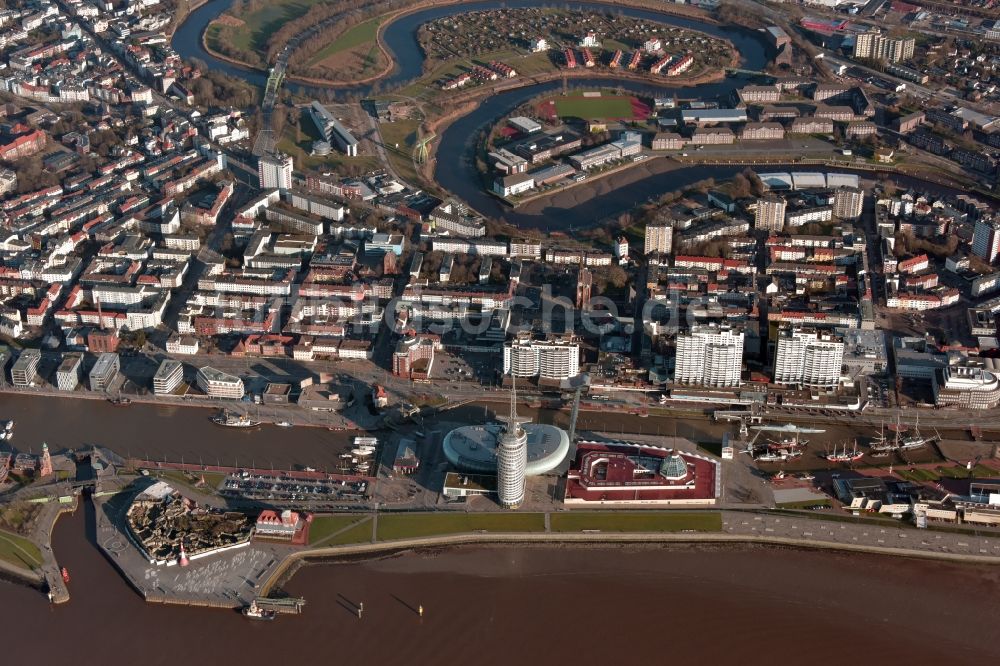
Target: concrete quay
[(234, 578), (738, 527), (50, 570)]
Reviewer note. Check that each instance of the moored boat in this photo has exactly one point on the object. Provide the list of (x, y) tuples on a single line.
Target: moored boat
[(231, 420), (255, 612), (845, 455)]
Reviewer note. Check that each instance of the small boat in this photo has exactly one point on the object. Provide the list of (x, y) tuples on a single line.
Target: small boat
[(283, 424), (777, 456), (255, 612), (65, 575), (309, 469), (230, 420), (120, 401)]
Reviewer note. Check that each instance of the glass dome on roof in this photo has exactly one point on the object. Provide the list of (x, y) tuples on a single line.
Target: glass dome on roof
[(673, 467)]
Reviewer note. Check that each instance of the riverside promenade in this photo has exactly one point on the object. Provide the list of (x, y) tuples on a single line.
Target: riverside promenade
[(738, 527), (233, 578)]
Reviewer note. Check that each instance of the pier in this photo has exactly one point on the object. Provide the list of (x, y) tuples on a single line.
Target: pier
[(285, 606)]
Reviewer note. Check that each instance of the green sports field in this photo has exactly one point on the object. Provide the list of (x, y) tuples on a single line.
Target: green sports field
[(594, 108), (604, 107)]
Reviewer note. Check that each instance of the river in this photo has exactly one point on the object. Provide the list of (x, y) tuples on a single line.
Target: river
[(165, 432), (586, 605), (400, 37), (576, 207), (186, 434)]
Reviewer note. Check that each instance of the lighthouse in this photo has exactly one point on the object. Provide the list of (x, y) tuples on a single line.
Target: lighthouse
[(183, 559), (45, 464)]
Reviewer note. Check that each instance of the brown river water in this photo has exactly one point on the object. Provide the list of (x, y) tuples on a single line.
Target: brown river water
[(486, 605), (533, 605)]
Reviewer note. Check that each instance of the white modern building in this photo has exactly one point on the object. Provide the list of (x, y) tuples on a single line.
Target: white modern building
[(183, 344), (218, 384), (709, 355), (275, 171), (69, 372), (986, 239), (332, 129), (848, 203), (168, 377), (770, 213), (546, 359), (968, 387), (25, 368), (102, 375), (808, 357), (876, 46), (659, 239)]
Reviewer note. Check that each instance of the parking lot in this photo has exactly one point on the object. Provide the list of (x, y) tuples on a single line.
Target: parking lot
[(478, 368)]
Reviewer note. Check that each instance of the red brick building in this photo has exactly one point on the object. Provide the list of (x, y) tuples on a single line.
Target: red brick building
[(103, 341)]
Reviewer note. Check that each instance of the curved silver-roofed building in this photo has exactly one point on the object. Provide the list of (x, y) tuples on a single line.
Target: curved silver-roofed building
[(474, 448)]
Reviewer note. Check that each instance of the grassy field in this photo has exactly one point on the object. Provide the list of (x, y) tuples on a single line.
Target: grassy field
[(360, 533), (404, 526), (956, 472), (323, 527), (594, 108), (400, 137), (260, 25), (918, 475), (532, 63), (961, 472), (19, 551), (362, 33), (659, 521)]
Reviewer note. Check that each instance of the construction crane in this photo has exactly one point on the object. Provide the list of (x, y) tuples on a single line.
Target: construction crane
[(420, 149)]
